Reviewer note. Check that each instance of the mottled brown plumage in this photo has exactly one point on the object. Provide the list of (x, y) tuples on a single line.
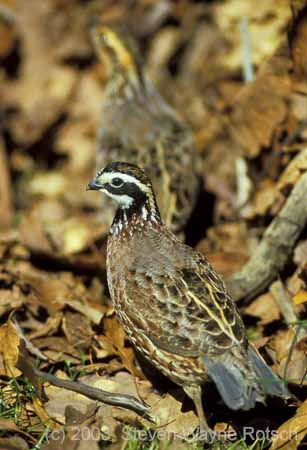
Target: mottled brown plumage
[(172, 304), (138, 126)]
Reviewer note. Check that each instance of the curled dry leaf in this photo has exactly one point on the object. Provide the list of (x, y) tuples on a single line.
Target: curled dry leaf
[(291, 433), (9, 343), (264, 307)]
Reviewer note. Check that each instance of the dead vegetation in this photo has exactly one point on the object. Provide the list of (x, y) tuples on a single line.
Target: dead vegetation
[(250, 221)]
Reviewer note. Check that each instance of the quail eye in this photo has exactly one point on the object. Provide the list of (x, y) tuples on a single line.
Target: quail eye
[(117, 182)]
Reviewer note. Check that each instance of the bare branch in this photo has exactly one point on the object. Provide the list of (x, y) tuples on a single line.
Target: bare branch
[(275, 248)]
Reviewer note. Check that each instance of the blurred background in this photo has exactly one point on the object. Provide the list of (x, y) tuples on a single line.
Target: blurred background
[(203, 57)]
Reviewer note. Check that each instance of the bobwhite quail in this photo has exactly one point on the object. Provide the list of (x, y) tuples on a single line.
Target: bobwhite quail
[(172, 304), (138, 126)]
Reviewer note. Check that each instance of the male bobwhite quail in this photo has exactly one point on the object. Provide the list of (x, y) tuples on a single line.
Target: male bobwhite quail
[(172, 304), (138, 126)]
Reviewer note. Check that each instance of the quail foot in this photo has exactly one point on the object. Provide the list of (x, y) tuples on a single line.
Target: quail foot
[(138, 126), (173, 305)]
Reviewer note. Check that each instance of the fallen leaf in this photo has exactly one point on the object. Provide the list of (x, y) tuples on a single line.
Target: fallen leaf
[(291, 433), (264, 307), (13, 443), (226, 246), (49, 327), (77, 330), (291, 362), (171, 419), (116, 336), (42, 414), (81, 431), (9, 343), (300, 297), (297, 40), (259, 109), (293, 170)]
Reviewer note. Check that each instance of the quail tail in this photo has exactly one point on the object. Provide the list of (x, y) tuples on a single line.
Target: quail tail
[(242, 385), (235, 382), (271, 383)]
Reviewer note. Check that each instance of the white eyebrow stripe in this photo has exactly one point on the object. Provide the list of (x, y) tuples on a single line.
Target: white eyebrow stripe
[(108, 176)]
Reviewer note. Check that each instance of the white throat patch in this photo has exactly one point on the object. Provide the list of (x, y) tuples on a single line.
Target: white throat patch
[(123, 200)]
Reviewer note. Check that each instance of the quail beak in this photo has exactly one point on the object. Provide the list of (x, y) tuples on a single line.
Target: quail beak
[(93, 185)]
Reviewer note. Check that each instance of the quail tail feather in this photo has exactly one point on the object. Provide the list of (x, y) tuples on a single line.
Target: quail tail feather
[(271, 383), (242, 385), (236, 388)]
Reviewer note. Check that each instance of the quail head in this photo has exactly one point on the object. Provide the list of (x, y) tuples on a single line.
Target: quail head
[(172, 304), (138, 126)]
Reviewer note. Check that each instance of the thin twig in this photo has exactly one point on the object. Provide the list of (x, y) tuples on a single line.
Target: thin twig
[(122, 400), (284, 301), (29, 346), (248, 71), (35, 376)]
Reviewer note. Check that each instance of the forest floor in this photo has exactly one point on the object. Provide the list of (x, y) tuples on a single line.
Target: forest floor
[(238, 75)]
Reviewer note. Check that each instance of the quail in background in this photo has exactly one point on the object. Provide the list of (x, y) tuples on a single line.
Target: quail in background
[(172, 304), (138, 126)]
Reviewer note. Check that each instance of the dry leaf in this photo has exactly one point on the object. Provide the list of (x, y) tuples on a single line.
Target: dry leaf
[(226, 247), (298, 40), (9, 425), (264, 307), (293, 170), (291, 433), (13, 443), (77, 330), (300, 297), (49, 327), (116, 335), (9, 343), (171, 419), (265, 22), (292, 366), (259, 109)]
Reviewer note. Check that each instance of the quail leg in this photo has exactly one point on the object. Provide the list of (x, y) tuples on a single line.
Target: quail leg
[(194, 392)]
